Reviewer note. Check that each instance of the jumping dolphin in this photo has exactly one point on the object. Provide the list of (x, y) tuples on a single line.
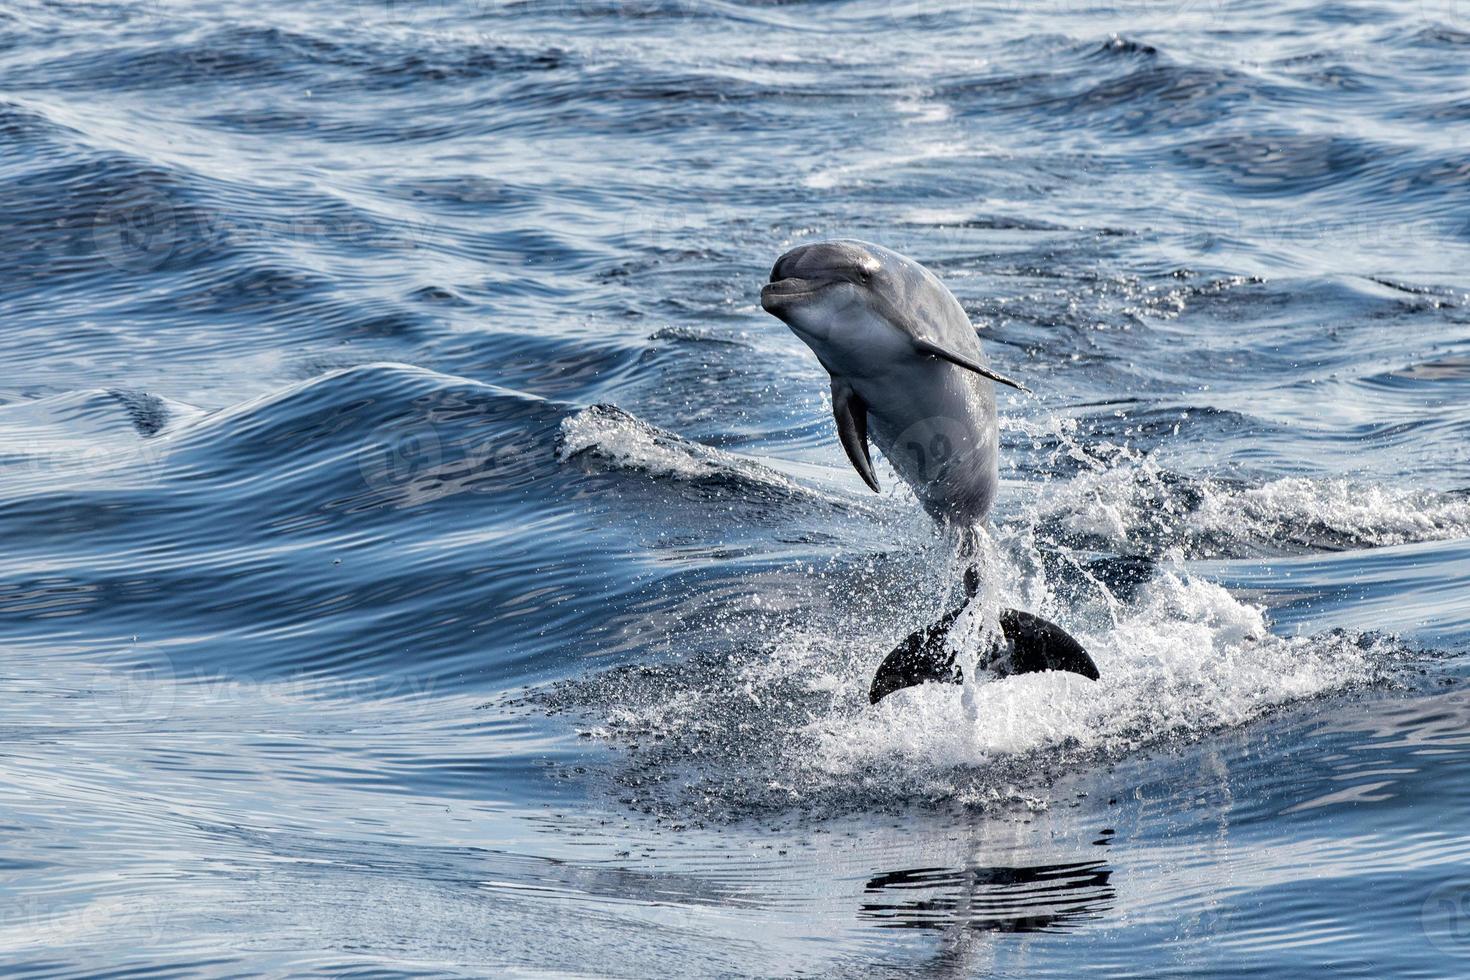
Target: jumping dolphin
[(907, 370)]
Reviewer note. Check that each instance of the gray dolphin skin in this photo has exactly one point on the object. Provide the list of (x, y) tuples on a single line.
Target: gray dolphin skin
[(907, 370)]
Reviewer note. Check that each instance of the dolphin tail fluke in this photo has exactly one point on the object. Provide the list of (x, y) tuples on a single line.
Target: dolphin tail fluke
[(1031, 645), (1037, 644), (920, 658)]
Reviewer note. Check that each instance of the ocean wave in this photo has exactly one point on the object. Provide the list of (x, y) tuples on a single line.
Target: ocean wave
[(245, 56), (281, 514), (1144, 508), (359, 438), (93, 438), (315, 316), (619, 440)]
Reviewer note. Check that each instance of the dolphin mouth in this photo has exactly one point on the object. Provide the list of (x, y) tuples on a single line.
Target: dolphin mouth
[(776, 293)]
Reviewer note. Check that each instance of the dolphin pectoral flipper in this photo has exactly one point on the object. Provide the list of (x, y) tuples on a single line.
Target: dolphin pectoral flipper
[(934, 350), (1031, 645), (851, 413)]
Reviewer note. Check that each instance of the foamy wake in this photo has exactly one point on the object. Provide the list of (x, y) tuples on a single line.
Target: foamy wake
[(783, 719), (1184, 658)]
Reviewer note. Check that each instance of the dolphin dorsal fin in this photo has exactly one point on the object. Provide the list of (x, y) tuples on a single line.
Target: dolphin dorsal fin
[(851, 413)]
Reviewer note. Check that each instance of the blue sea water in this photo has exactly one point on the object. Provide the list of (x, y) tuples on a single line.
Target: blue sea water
[(422, 556)]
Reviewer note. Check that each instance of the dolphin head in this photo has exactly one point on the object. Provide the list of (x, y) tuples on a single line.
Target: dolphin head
[(831, 295), (860, 306)]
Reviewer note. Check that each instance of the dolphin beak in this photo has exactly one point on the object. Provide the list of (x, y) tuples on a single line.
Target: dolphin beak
[(777, 293)]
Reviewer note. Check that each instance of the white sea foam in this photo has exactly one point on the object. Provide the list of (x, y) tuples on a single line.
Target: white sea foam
[(1369, 514), (1113, 507), (1184, 659), (1119, 496), (783, 718)]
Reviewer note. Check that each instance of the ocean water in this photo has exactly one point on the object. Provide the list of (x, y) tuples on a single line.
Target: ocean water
[(422, 556)]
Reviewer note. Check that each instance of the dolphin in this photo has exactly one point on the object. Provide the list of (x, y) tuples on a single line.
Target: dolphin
[(908, 372)]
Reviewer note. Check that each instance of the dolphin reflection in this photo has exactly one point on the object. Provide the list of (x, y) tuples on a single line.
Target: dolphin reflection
[(1044, 898)]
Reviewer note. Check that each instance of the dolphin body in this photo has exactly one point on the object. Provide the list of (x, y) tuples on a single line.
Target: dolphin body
[(907, 370)]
